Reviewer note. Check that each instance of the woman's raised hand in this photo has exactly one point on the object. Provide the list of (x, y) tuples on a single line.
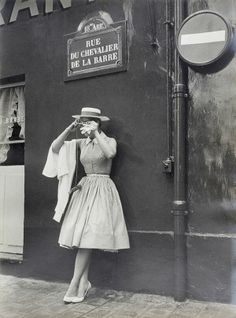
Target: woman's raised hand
[(73, 126), (59, 141)]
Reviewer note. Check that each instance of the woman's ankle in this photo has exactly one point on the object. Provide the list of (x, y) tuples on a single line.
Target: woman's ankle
[(83, 285), (72, 289)]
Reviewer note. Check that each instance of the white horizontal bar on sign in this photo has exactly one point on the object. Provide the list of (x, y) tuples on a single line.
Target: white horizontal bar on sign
[(203, 37)]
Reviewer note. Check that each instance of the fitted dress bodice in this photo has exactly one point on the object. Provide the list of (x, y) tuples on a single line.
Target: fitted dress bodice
[(93, 159)]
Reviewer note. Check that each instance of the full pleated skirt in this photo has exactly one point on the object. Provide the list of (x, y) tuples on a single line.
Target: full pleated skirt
[(94, 217)]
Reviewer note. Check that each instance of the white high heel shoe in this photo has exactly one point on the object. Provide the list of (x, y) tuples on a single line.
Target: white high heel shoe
[(73, 300), (80, 299)]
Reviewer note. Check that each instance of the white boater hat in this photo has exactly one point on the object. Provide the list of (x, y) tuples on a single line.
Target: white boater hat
[(91, 112)]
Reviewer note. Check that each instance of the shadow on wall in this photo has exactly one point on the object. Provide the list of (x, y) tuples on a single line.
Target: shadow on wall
[(126, 161)]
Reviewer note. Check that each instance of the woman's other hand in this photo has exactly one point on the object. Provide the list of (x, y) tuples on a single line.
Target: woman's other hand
[(89, 128), (93, 126)]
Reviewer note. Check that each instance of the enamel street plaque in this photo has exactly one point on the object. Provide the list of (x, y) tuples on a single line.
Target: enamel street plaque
[(97, 48)]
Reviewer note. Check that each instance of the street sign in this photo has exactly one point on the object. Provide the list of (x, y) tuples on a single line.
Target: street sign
[(203, 38), (96, 48)]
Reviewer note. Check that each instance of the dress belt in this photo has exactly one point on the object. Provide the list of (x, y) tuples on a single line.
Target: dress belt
[(79, 186)]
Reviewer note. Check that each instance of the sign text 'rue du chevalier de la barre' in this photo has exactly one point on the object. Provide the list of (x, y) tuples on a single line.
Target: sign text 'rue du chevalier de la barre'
[(97, 49)]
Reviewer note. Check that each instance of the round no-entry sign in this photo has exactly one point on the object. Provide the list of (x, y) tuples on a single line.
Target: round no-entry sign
[(203, 38)]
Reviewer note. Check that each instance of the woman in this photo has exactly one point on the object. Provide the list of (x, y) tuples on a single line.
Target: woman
[(94, 217)]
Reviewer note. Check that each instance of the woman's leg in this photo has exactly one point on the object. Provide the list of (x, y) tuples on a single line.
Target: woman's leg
[(81, 263), (83, 284)]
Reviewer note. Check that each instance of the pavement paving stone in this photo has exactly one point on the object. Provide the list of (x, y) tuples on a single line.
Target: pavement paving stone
[(119, 296), (211, 311), (125, 306), (65, 311), (27, 298), (207, 314), (106, 294), (11, 315), (79, 309), (144, 298), (178, 315), (188, 309), (130, 309), (221, 307), (64, 315), (116, 315), (112, 304), (117, 309), (125, 313), (52, 308), (98, 313), (156, 308), (161, 315), (225, 314), (94, 299)]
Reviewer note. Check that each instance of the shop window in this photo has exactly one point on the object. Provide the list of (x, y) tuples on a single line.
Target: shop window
[(12, 124)]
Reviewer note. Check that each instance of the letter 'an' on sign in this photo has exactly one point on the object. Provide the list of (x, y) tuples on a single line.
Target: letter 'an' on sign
[(21, 5), (49, 5)]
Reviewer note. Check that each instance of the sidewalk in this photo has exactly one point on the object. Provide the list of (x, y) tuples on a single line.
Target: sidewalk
[(39, 299)]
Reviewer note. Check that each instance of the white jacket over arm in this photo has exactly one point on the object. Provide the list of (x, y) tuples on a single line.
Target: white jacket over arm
[(62, 166)]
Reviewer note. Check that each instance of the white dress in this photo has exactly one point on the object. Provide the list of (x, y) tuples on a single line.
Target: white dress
[(94, 216)]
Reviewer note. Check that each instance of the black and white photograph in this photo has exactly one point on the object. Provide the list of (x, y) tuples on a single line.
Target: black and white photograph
[(117, 158)]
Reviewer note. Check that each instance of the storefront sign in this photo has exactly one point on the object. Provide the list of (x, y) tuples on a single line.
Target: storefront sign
[(98, 48), (31, 6), (203, 38)]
